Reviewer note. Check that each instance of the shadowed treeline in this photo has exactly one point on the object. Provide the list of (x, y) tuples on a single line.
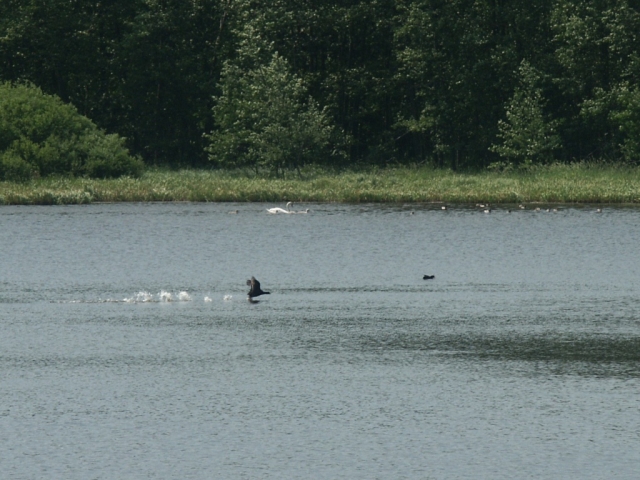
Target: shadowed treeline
[(278, 85)]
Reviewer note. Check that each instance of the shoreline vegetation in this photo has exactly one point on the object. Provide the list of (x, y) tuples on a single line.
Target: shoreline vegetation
[(576, 183)]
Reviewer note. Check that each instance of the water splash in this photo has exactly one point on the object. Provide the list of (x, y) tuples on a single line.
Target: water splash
[(140, 297), (165, 296), (184, 297), (143, 297)]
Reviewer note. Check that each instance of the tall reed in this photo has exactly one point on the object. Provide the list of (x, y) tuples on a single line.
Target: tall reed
[(578, 183)]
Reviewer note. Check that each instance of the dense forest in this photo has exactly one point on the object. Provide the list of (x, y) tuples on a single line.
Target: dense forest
[(278, 84)]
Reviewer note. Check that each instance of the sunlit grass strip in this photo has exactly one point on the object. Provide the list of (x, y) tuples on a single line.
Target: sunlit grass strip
[(581, 183)]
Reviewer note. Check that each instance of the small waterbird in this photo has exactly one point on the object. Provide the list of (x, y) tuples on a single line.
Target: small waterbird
[(255, 291), (428, 277)]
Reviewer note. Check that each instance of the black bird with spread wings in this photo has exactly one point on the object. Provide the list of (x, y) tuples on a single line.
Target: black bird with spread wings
[(255, 291)]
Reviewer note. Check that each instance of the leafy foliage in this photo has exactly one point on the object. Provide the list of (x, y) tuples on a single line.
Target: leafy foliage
[(627, 120), (40, 136), (265, 118), (405, 80), (527, 136)]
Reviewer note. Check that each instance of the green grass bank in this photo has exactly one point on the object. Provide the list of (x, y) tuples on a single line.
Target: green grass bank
[(578, 183)]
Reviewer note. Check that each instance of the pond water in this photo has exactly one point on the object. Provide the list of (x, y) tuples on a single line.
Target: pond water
[(128, 348)]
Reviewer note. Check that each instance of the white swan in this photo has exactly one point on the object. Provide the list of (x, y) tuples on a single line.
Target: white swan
[(277, 210), (281, 210)]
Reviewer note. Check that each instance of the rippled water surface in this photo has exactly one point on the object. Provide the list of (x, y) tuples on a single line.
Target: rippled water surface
[(128, 348)]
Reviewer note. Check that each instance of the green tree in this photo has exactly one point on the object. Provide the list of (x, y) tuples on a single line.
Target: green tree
[(596, 49), (264, 116), (343, 52), (456, 60), (169, 61), (145, 69), (68, 49), (404, 80), (622, 106), (628, 121), (40, 135), (527, 135)]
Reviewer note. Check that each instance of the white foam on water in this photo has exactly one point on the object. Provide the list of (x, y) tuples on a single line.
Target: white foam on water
[(144, 297), (140, 297), (165, 296)]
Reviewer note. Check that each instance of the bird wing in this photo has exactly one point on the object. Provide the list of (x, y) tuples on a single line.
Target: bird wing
[(255, 285)]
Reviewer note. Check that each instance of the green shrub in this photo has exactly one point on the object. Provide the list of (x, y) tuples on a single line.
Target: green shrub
[(40, 136), (108, 158), (14, 169)]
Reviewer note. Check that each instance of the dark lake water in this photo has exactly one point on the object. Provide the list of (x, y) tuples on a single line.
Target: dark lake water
[(128, 348)]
